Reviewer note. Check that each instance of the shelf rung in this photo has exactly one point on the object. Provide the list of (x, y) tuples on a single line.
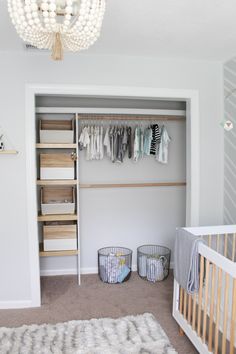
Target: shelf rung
[(58, 253), (58, 182), (59, 217), (56, 146)]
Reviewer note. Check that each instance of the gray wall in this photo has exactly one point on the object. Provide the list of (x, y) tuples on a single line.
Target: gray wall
[(230, 144), (17, 70)]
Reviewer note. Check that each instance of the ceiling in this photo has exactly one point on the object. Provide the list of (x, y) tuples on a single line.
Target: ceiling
[(197, 29)]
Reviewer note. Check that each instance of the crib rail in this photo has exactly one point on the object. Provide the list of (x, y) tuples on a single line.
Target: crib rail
[(209, 317)]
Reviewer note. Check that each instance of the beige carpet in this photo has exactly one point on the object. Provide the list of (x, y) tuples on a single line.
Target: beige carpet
[(63, 300)]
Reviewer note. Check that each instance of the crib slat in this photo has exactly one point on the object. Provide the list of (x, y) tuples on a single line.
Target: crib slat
[(226, 245), (233, 319), (233, 247), (218, 243), (225, 314), (185, 304), (218, 310), (189, 307), (200, 296), (209, 240), (181, 300), (206, 301), (213, 279), (194, 311)]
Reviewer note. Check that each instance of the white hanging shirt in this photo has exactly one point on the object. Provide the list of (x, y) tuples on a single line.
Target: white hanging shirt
[(162, 154), (107, 142), (96, 143), (84, 139), (101, 147)]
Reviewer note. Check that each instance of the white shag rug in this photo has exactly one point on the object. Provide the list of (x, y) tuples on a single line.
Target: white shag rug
[(140, 334)]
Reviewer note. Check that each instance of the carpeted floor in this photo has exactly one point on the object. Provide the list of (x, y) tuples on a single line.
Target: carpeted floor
[(63, 300)]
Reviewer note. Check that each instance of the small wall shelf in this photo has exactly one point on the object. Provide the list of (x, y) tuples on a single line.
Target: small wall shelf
[(59, 217), (56, 146), (9, 152)]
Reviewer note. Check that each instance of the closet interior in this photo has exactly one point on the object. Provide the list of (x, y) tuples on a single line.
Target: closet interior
[(81, 198)]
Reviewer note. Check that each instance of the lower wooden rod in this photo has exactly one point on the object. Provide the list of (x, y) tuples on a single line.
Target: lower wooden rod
[(132, 185)]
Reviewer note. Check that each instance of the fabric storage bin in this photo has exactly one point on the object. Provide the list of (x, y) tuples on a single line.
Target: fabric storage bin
[(56, 131), (59, 237), (153, 262), (114, 264), (57, 166), (57, 200)]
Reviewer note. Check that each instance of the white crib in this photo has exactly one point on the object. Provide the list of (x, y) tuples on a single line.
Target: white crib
[(209, 317)]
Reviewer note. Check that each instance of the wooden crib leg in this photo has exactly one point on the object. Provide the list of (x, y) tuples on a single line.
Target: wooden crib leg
[(181, 332), (233, 319)]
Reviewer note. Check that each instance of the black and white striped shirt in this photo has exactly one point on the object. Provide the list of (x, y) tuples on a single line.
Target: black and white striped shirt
[(156, 138)]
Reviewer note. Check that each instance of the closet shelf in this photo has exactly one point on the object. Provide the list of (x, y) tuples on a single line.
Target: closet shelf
[(132, 185), (57, 182), (56, 146), (56, 253), (60, 217)]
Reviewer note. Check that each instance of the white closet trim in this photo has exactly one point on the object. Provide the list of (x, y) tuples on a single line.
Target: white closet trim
[(191, 98)]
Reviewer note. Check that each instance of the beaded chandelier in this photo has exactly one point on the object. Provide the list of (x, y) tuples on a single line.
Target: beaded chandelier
[(58, 25)]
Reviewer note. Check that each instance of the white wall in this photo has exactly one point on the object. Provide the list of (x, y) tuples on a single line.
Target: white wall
[(230, 145), (18, 69)]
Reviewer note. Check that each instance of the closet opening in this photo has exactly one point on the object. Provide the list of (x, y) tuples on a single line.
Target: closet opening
[(91, 203)]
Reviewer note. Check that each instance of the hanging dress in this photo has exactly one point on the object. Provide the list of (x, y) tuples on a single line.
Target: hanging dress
[(162, 154)]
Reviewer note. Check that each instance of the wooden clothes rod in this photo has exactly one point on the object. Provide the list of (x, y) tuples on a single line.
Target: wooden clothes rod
[(131, 117), (131, 185)]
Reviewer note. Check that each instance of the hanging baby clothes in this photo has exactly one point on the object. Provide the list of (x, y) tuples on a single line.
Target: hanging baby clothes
[(129, 142), (141, 143), (91, 138), (116, 143), (155, 139), (84, 139), (125, 142), (120, 139), (101, 146), (96, 143), (147, 141), (138, 144), (107, 142), (162, 154), (119, 153), (91, 148)]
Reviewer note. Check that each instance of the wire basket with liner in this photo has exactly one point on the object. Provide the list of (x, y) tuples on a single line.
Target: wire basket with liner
[(153, 262), (114, 264)]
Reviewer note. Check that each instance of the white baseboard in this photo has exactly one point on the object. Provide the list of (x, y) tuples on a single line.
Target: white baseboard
[(73, 271), (54, 272), (4, 305)]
